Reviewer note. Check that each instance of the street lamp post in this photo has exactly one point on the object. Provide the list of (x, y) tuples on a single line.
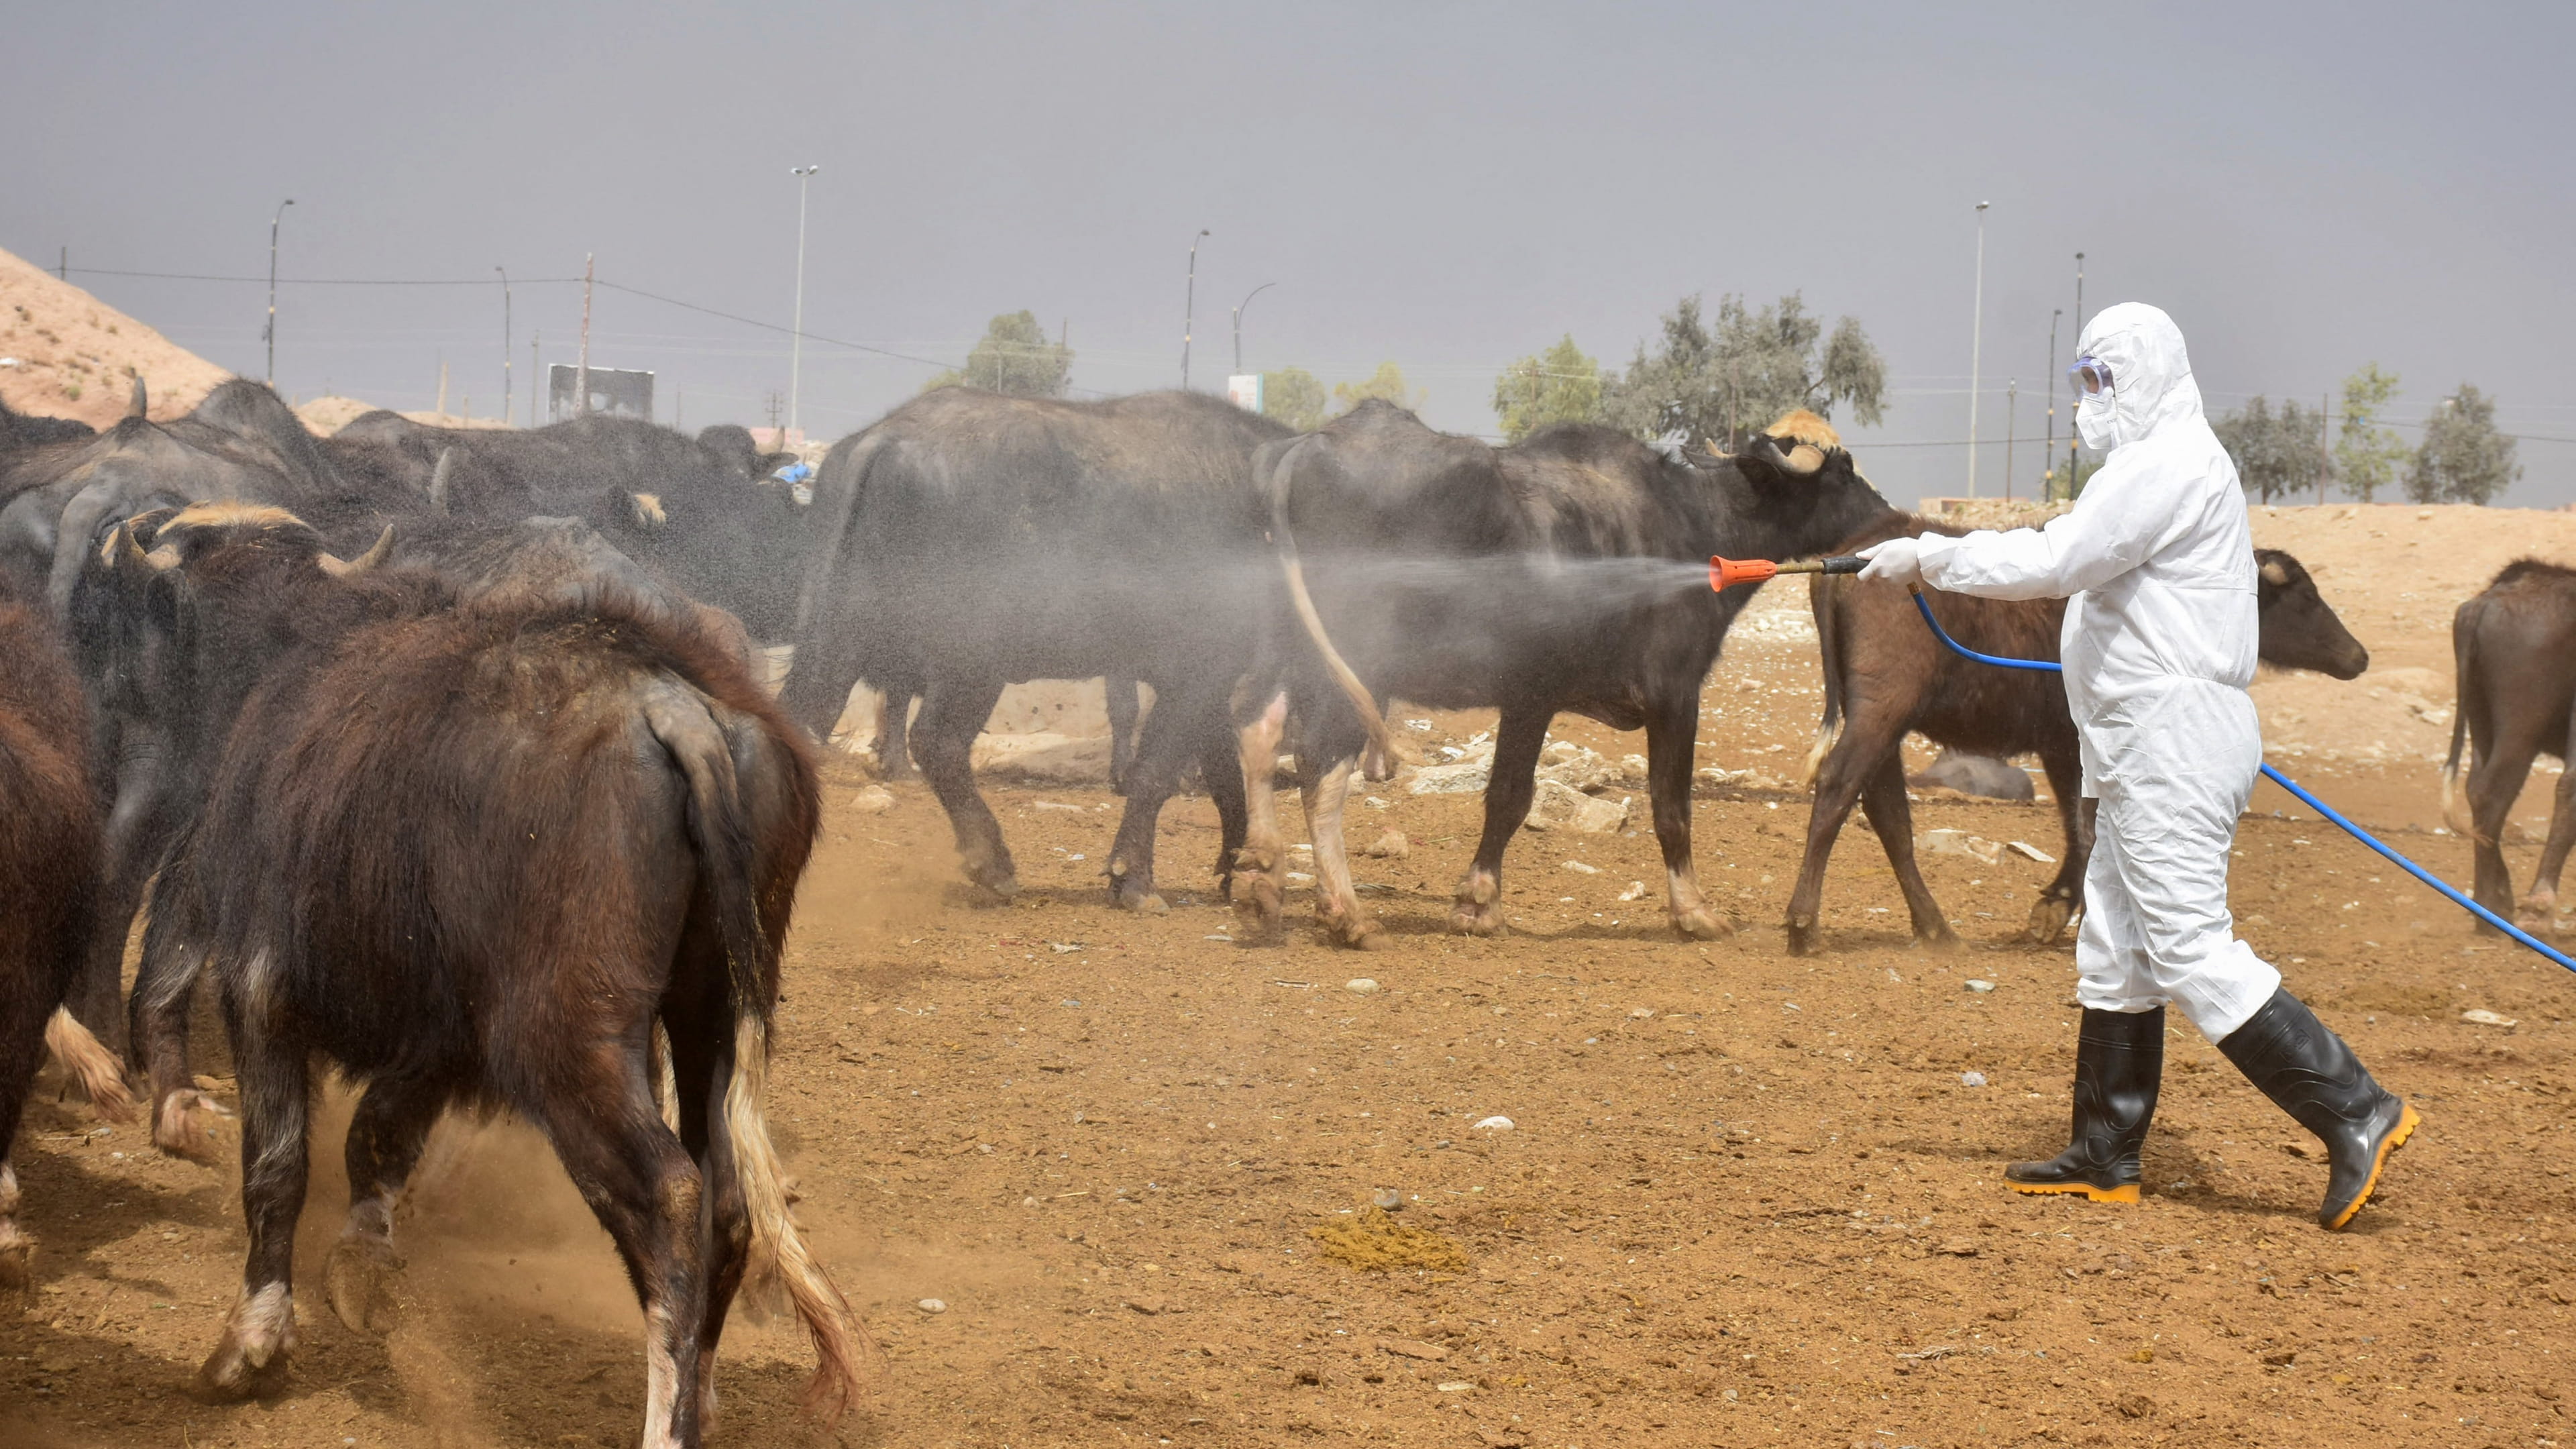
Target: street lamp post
[(1189, 309), (507, 384), (2048, 450), (2073, 434), (796, 346), (1238, 321), (271, 333), (1976, 347)]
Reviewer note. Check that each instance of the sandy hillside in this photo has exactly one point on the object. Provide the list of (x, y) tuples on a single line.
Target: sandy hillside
[(75, 356)]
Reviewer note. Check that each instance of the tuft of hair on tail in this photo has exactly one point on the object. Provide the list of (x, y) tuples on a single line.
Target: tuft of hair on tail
[(87, 1061), (845, 1357)]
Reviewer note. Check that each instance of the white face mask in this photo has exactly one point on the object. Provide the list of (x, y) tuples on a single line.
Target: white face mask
[(2095, 421)]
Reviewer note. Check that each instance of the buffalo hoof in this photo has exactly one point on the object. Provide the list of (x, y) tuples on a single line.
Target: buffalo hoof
[(250, 1360), (1469, 918), (1939, 939), (2048, 920), (1804, 938), (359, 1280), (17, 1256), (1145, 903), (1357, 932), (1702, 924), (187, 1126)]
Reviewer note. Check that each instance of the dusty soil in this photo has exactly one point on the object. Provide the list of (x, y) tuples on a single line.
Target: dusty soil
[(77, 357), (1745, 1199)]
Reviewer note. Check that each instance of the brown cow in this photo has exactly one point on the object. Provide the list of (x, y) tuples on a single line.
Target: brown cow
[(48, 878), (1885, 675), (475, 854), (2514, 649)]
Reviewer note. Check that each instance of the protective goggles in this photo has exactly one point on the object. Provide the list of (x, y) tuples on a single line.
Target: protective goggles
[(2091, 376)]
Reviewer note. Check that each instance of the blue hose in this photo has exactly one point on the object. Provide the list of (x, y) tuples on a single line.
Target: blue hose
[(2295, 788)]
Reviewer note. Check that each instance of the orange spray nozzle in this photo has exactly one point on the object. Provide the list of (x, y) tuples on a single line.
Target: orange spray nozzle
[(1726, 573)]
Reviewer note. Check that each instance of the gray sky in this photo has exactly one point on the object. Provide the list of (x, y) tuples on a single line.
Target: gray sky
[(2305, 187)]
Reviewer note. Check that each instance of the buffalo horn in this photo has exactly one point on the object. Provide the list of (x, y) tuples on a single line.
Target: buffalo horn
[(139, 402), (350, 568), (438, 480)]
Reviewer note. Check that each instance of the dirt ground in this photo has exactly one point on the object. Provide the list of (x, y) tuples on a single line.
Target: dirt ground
[(1744, 1199), (69, 355)]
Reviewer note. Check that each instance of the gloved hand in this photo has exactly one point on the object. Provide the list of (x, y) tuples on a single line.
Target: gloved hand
[(1897, 561)]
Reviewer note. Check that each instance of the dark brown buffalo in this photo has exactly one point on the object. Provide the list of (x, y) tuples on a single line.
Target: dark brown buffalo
[(969, 540), (2514, 650), (48, 868), (1886, 676), (477, 855), (1566, 573)]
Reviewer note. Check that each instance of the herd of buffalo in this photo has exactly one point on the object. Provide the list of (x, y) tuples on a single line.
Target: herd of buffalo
[(448, 758)]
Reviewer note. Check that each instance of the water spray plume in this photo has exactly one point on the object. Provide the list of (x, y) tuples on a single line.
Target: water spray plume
[(1726, 573)]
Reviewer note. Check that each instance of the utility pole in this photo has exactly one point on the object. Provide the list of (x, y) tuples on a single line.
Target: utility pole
[(1976, 347), (271, 334), (796, 345), (63, 265), (2325, 464), (508, 387), (2048, 449), (581, 372), (2075, 435), (1238, 321), (536, 341), (1189, 309), (2012, 401)]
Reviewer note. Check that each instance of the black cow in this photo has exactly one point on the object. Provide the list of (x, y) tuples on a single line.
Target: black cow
[(30, 430), (693, 512), (48, 865), (1568, 572), (1885, 676), (2514, 650), (477, 855), (969, 540)]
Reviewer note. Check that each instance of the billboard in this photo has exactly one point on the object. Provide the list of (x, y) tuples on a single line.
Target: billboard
[(613, 391), (1244, 390)]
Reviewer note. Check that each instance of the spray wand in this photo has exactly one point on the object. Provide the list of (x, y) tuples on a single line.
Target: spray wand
[(1726, 573)]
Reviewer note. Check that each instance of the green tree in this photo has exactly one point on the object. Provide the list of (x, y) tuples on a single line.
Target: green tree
[(1014, 357), (2366, 455), (2276, 453), (1735, 377), (1387, 382), (1294, 396), (2464, 458), (1560, 385)]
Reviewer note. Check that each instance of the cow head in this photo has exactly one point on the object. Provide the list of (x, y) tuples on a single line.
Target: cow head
[(2300, 630), (1804, 483)]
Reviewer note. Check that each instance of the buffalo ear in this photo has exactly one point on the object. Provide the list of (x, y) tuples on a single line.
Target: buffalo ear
[(2274, 574), (648, 510), (339, 568)]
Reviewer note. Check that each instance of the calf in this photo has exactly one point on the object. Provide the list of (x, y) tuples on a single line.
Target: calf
[(48, 868), (1885, 676), (2514, 650), (475, 854), (1567, 572)]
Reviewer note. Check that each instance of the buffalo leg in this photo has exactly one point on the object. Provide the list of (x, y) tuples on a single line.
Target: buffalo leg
[(2494, 784), (1259, 882), (2062, 897), (270, 1062), (1224, 776), (1477, 909), (1325, 792), (165, 988), (1120, 697), (892, 747), (1883, 795), (1866, 740), (952, 714), (136, 830), (25, 1003), (1671, 741), (386, 1135), (702, 1066), (645, 1191), (1173, 732)]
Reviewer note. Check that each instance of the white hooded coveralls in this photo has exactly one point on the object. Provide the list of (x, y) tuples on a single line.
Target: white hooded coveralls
[(2157, 564)]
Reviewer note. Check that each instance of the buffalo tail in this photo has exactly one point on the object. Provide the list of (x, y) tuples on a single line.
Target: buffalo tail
[(1380, 762)]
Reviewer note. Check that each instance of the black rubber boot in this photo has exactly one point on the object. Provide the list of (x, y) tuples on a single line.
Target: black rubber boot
[(2314, 1077), (2119, 1063)]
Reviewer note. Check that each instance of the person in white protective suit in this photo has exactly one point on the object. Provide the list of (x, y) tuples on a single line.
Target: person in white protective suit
[(2157, 562)]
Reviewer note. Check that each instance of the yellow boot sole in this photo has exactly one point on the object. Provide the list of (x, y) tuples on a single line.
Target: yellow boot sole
[(2406, 1122), (2128, 1193)]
